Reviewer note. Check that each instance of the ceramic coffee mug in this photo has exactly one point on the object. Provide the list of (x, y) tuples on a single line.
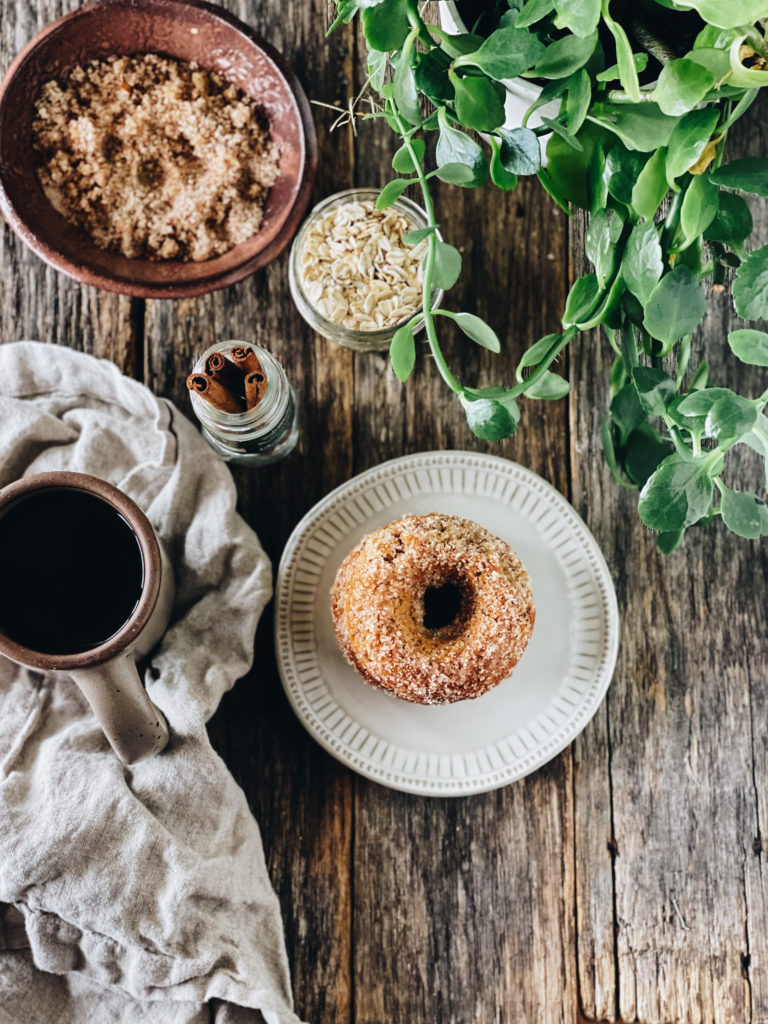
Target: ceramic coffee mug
[(86, 589)]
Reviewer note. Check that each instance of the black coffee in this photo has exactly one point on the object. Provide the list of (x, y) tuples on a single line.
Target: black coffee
[(71, 571)]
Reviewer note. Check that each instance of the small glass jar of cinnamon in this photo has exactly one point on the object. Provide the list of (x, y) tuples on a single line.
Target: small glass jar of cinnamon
[(246, 405)]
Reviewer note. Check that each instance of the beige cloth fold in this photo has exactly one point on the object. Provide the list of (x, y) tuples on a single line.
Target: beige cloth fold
[(134, 894)]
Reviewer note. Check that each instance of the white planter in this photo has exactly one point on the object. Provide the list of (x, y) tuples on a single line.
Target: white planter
[(520, 92)]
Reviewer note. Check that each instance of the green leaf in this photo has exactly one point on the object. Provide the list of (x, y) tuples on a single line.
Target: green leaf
[(750, 286), (520, 151), (447, 266), (488, 419), (454, 147), (624, 56), (626, 411), (460, 45), (609, 449), (431, 73), (377, 68), (564, 56), (699, 403), (644, 452), (732, 223), (677, 495), (622, 168), (578, 16), (611, 74), (550, 386), (654, 389), (675, 307), (577, 100), (701, 376), (642, 264), (640, 126), (478, 330), (402, 352), (743, 514), (533, 11), (478, 103), (575, 176), (651, 185), (414, 237), (600, 243), (688, 141), (500, 176), (534, 355), (582, 299), (385, 26), (507, 53), (669, 542), (681, 85), (562, 131), (711, 36), (729, 419), (700, 205), (406, 94), (750, 346), (750, 174), (456, 174), (727, 13), (402, 161), (392, 192), (717, 62), (692, 258)]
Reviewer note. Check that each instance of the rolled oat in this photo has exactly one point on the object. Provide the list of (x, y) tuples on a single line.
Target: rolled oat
[(357, 271)]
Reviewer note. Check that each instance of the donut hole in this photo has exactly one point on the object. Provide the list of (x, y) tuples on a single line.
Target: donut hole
[(442, 605)]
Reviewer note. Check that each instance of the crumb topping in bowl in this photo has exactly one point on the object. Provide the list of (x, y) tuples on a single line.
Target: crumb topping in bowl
[(155, 157)]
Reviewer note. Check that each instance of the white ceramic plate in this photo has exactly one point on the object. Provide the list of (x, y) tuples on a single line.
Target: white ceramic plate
[(522, 723)]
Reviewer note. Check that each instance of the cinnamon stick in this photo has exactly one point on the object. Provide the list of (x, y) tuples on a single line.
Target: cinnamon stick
[(225, 372), (255, 388), (213, 391), (245, 359)]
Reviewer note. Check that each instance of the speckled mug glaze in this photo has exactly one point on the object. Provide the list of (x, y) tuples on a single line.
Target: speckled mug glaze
[(107, 674), (186, 30)]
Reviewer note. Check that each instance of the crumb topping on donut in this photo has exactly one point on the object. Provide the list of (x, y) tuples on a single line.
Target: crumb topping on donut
[(433, 608)]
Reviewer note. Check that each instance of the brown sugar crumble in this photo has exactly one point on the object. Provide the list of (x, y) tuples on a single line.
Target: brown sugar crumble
[(154, 157)]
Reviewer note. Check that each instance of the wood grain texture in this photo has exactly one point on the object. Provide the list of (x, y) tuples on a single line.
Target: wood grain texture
[(301, 798), (627, 879), (669, 793), (456, 902)]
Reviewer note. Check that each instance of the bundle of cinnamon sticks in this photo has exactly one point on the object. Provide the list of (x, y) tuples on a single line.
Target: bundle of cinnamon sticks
[(231, 381)]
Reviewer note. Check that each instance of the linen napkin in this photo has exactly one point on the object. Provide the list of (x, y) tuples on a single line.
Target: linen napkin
[(134, 894)]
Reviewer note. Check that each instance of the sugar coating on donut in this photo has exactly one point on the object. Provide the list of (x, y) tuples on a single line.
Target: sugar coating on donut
[(384, 598)]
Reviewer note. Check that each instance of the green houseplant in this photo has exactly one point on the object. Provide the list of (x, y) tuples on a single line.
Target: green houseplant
[(648, 91)]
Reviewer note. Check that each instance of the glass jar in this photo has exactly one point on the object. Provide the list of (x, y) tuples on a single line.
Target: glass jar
[(359, 340), (258, 436)]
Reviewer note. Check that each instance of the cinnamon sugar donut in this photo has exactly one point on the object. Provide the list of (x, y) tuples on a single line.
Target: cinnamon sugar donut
[(434, 609)]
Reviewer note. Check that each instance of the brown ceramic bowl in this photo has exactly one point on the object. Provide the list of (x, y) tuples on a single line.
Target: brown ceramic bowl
[(187, 30)]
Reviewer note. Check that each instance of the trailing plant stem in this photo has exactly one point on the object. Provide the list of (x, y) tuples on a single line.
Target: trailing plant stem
[(429, 260)]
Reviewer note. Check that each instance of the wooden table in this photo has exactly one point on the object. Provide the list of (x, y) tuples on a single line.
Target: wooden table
[(625, 880)]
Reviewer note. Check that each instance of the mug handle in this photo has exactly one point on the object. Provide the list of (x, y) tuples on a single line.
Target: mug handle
[(135, 728)]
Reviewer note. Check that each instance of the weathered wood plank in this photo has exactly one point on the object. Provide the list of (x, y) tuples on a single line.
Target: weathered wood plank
[(300, 796), (668, 773), (463, 909)]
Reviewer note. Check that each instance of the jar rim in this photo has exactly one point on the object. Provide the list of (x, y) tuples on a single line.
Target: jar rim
[(327, 327), (256, 419)]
